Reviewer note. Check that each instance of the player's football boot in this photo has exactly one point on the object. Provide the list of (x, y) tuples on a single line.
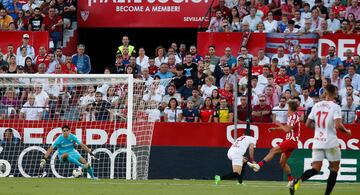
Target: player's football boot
[(254, 166), (217, 179), (295, 184)]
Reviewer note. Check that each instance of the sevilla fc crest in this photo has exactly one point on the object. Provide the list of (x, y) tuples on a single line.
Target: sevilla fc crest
[(84, 15)]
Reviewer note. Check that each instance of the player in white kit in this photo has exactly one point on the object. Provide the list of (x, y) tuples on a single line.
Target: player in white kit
[(236, 155), (325, 118)]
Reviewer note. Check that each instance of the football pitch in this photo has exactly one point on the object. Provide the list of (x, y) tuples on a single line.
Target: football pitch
[(81, 186)]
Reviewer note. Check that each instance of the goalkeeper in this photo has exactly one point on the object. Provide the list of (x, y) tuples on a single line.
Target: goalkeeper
[(67, 153)]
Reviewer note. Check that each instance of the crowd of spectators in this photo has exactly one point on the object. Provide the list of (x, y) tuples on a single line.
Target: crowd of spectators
[(53, 16), (177, 84), (286, 16)]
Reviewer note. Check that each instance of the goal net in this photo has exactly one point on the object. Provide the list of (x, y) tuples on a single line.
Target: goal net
[(113, 115)]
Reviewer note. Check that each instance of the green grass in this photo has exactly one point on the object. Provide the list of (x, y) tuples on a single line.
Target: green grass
[(81, 186)]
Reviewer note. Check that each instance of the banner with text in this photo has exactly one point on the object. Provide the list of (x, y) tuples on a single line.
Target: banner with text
[(36, 40), (341, 42), (166, 134), (142, 13)]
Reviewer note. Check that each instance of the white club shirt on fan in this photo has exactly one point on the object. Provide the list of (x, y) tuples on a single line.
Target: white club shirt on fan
[(31, 112)]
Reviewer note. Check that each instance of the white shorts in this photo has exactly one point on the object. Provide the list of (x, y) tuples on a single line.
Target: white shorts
[(235, 157), (331, 154)]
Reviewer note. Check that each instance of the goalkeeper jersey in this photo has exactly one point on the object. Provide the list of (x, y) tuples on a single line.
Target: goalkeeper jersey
[(66, 144)]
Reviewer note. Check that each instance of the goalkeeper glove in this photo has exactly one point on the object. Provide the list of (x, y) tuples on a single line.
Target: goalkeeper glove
[(42, 162)]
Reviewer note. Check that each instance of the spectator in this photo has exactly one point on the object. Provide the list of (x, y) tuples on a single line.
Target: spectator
[(242, 109), (291, 70), (125, 43), (186, 90), (136, 67), (145, 76), (81, 60), (53, 62), (354, 9), (130, 70), (317, 75), (338, 9), (252, 19), (164, 72), (214, 60), (172, 63), (323, 30), (59, 56), (190, 114), (172, 112), (356, 63), (142, 59), (171, 51), (20, 59), (306, 100), (294, 88), (101, 108), (215, 97), (35, 22), (350, 92), (299, 22), (332, 58), (349, 58), (206, 111), (270, 24), (67, 11), (326, 69), (42, 57), (68, 67), (224, 11), (333, 23), (301, 77), (31, 110), (227, 78), (345, 28), (153, 112), (153, 69), (195, 56), (263, 60), (306, 29), (199, 76), (262, 9), (348, 110), (171, 94), (53, 23), (343, 89), (275, 86), (88, 96), (42, 99), (335, 79), (154, 93), (20, 21), (208, 87), (314, 59), (29, 66), (280, 111), (216, 22), (321, 9), (2, 61), (196, 98), (29, 49), (235, 20), (271, 97), (283, 24), (282, 79), (261, 112), (223, 113), (281, 56), (10, 102), (30, 6), (354, 77), (12, 66), (119, 67), (9, 137), (291, 27), (5, 19), (189, 65), (10, 52)]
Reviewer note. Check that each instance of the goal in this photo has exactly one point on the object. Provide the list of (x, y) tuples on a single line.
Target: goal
[(113, 114)]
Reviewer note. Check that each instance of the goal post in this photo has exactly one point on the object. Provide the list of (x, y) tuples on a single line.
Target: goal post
[(107, 112)]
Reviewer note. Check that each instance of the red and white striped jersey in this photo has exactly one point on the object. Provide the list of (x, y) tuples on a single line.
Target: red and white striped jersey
[(293, 121)]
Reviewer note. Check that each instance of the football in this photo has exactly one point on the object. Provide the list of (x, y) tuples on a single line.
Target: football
[(77, 173)]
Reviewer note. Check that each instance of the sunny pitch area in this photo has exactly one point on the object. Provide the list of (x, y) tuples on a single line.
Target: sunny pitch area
[(82, 186)]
